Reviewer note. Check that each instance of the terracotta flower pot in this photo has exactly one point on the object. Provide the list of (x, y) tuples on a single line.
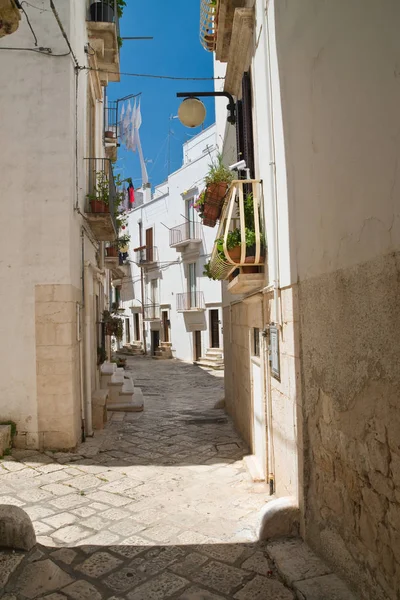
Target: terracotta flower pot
[(234, 254), (98, 206), (214, 201), (112, 251), (109, 134)]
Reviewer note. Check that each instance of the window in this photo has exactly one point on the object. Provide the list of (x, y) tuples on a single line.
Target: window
[(192, 284), (256, 341), (127, 331)]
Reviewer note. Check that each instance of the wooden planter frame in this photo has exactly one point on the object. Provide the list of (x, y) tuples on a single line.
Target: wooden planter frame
[(233, 216)]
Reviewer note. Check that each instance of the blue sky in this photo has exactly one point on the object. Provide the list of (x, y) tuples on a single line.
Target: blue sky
[(175, 50)]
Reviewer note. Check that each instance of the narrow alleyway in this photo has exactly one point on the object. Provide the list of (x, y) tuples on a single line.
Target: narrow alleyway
[(158, 505)]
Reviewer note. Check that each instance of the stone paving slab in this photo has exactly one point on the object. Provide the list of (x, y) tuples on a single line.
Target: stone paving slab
[(157, 505)]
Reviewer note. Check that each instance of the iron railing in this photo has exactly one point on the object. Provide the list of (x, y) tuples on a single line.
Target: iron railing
[(208, 24), (101, 189), (146, 255), (185, 233), (190, 301), (110, 121), (104, 11), (151, 312)]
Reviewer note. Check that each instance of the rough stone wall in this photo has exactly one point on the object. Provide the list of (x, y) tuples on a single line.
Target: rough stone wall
[(238, 321), (350, 332), (57, 367)]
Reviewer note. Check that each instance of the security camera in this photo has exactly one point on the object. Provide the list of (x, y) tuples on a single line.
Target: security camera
[(239, 166)]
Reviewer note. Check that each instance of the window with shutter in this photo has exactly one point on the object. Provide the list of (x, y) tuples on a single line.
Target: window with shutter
[(244, 130)]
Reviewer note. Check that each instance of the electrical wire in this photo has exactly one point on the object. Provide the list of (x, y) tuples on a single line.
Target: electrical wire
[(60, 25), (30, 26), (40, 50), (33, 6), (154, 76)]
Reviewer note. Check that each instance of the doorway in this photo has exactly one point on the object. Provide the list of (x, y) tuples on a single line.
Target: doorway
[(149, 245), (197, 345), (127, 331), (155, 341), (165, 323), (214, 328), (137, 328)]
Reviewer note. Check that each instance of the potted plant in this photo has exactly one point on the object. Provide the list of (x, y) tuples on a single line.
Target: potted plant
[(99, 198), (217, 182), (103, 10), (101, 355), (113, 325), (112, 251)]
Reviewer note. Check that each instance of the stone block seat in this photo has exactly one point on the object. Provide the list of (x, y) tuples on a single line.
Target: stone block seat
[(99, 408)]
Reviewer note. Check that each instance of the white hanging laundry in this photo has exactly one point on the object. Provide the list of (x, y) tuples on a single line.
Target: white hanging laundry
[(127, 124), (132, 132), (121, 124)]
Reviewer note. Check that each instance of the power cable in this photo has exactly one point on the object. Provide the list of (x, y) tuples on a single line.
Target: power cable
[(39, 50), (55, 13), (155, 76), (30, 26), (37, 7)]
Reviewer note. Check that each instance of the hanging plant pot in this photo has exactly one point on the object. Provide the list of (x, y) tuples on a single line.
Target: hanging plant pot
[(112, 251), (102, 12), (98, 206), (234, 254), (214, 201)]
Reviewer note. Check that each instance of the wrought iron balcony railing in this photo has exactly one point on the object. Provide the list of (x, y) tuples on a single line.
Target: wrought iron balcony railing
[(151, 312), (208, 24), (190, 301), (101, 198), (185, 233), (111, 122), (105, 11), (146, 255)]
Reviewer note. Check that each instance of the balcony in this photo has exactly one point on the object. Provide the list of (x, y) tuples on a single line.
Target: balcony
[(103, 33), (208, 24), (111, 130), (190, 302), (151, 312), (239, 249), (100, 206), (146, 256), (186, 234)]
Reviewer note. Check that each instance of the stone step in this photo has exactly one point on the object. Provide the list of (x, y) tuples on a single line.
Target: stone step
[(209, 364), (166, 344), (303, 571), (214, 356), (129, 403), (216, 351), (5, 438)]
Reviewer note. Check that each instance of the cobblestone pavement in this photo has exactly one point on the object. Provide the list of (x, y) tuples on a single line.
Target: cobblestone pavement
[(158, 505)]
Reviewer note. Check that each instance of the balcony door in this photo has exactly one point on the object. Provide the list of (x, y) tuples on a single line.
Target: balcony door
[(192, 285), (191, 217), (149, 244)]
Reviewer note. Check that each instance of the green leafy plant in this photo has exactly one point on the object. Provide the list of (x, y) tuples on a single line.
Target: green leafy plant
[(218, 172), (123, 240), (101, 355), (207, 272), (114, 325)]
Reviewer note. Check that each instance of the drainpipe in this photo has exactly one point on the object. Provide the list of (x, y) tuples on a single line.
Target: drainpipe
[(88, 354), (80, 307)]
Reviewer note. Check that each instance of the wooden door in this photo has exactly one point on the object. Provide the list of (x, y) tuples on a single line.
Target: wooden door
[(149, 244), (137, 328), (165, 325), (214, 328), (197, 345), (155, 341)]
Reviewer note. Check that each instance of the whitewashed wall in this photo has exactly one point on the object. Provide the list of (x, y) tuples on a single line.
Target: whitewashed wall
[(165, 210)]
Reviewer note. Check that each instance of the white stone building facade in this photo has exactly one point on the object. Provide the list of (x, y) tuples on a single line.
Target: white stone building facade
[(182, 308), (55, 280)]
